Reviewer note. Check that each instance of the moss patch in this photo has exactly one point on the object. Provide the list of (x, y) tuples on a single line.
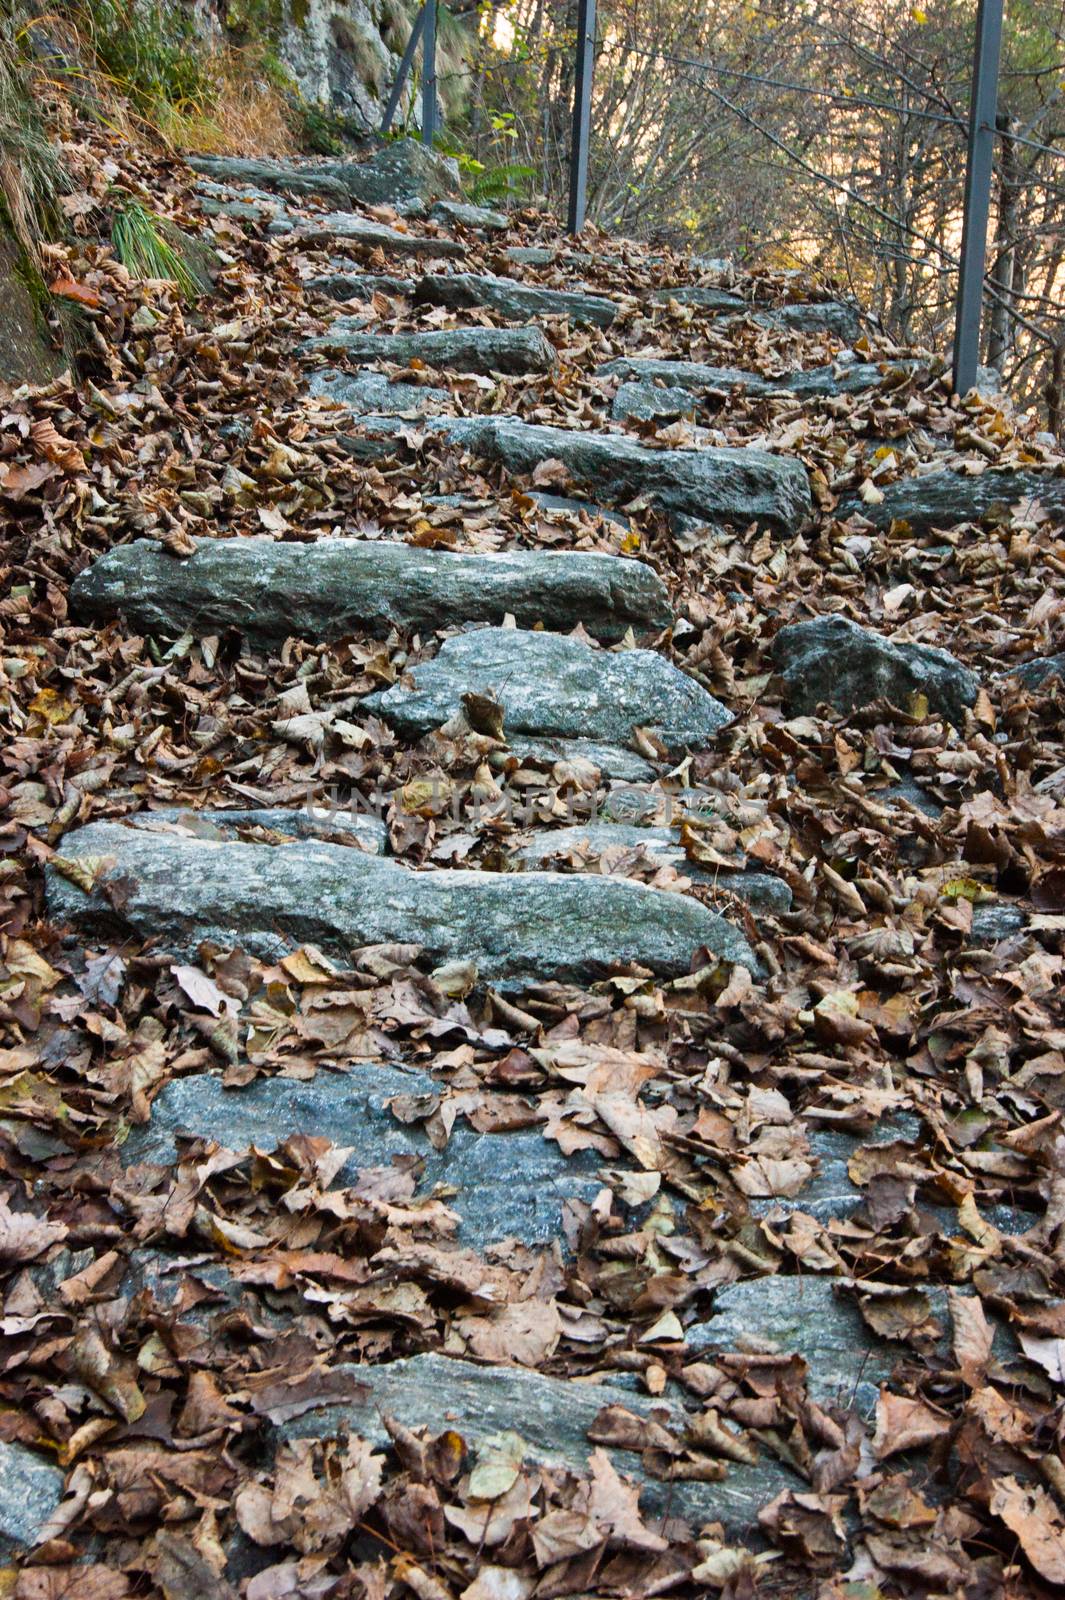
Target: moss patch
[(26, 354)]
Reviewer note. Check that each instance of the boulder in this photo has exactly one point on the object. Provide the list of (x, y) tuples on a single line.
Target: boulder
[(30, 1490), (832, 661), (333, 587), (843, 377), (267, 899), (719, 485), (509, 350), (662, 846), (519, 302), (508, 1185), (943, 499), (375, 393), (552, 1416), (554, 685), (246, 203), (401, 171), (342, 227)]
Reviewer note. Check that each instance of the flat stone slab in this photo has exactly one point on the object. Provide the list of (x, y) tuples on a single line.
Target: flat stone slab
[(308, 822), (804, 1316), (375, 393), (552, 685), (481, 218), (840, 378), (269, 899), (30, 1490), (703, 296), (520, 302), (552, 1416), (344, 285), (509, 350), (832, 661), (509, 1185), (717, 485), (761, 890), (401, 171), (1038, 671), (943, 499), (612, 760), (333, 587), (647, 402), (346, 228)]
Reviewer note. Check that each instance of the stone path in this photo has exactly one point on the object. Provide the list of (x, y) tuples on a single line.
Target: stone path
[(557, 656)]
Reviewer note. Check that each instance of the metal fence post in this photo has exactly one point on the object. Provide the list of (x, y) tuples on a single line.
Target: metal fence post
[(582, 116), (983, 106), (404, 71), (429, 73)]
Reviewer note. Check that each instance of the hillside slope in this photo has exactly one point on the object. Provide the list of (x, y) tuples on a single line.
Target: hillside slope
[(534, 898)]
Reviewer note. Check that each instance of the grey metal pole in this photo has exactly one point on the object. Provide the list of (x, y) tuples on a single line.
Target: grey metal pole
[(582, 116), (404, 71), (983, 107), (429, 73)]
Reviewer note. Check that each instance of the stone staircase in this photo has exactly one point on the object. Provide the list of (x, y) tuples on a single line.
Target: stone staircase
[(556, 656)]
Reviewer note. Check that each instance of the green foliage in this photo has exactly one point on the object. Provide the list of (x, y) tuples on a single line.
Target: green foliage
[(508, 181), (149, 52), (144, 244), (323, 130)]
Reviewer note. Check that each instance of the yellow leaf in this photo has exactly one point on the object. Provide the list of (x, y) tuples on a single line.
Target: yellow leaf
[(630, 544), (919, 16), (965, 889), (50, 705)]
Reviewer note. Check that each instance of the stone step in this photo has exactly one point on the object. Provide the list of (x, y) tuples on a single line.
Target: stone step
[(401, 172), (333, 587), (376, 393), (714, 486), (519, 302), (552, 1416), (762, 890), (482, 219), (31, 1488), (709, 485), (944, 499), (840, 378), (347, 285), (832, 661), (268, 899), (344, 227), (514, 351), (556, 686), (307, 822), (613, 761), (509, 1184), (838, 317)]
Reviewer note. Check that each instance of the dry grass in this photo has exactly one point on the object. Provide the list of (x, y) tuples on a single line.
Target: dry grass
[(249, 115)]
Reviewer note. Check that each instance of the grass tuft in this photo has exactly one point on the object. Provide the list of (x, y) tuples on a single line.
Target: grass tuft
[(141, 244)]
